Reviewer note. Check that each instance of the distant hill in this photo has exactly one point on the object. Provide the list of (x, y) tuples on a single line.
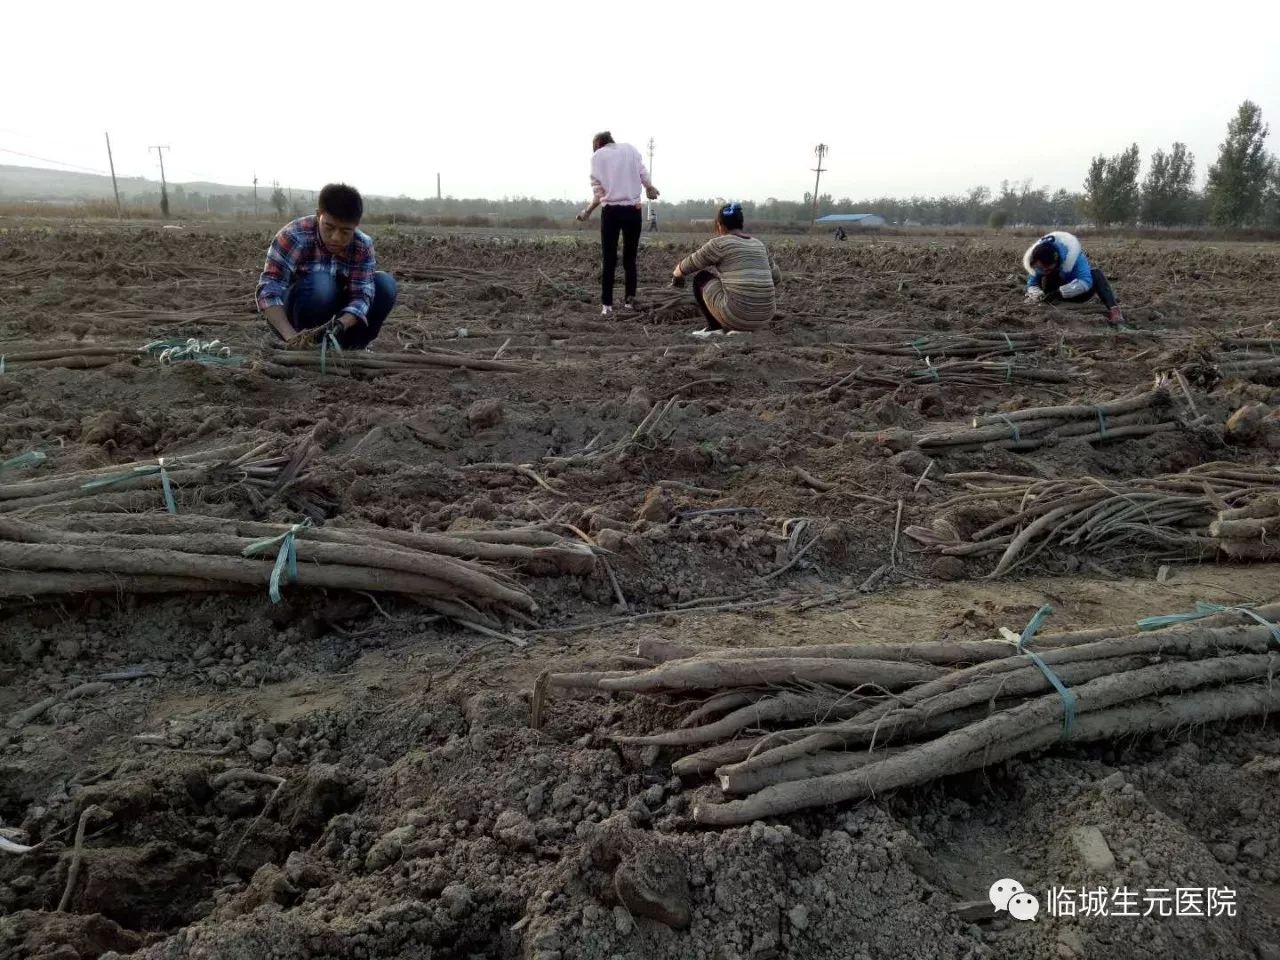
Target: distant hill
[(37, 183)]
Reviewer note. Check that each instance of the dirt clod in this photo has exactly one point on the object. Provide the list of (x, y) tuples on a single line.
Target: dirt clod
[(653, 883), (485, 414)]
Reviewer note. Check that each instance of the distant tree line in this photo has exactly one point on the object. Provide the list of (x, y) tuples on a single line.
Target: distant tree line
[(1242, 190)]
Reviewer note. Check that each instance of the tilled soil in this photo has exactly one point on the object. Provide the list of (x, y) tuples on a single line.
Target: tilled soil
[(413, 811)]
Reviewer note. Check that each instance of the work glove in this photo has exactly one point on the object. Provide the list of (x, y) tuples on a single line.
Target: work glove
[(1034, 294), (1073, 289)]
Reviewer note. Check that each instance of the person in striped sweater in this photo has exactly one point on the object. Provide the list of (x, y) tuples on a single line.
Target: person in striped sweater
[(734, 277)]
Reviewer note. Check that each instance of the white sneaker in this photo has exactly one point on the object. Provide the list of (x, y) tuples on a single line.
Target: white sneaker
[(606, 311), (705, 334)]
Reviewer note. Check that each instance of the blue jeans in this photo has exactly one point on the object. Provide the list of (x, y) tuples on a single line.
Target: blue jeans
[(318, 297)]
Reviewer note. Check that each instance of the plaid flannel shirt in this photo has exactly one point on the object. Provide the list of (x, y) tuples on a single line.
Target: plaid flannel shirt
[(298, 250)]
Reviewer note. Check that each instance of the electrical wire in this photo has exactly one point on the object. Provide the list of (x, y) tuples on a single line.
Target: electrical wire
[(61, 163)]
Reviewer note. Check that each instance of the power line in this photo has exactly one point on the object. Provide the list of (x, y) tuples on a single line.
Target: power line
[(61, 163)]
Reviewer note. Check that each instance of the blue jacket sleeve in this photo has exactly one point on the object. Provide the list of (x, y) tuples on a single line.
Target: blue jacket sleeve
[(1033, 279), (1078, 281), (1083, 272)]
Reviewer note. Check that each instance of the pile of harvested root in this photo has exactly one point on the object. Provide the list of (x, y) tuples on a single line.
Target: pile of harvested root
[(346, 362), (460, 576), (279, 362), (1248, 358), (38, 356), (89, 356), (791, 728), (981, 344), (1251, 532), (961, 373), (1034, 427), (1170, 512), (265, 473), (988, 373), (992, 344)]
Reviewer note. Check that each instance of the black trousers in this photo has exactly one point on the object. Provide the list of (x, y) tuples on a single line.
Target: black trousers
[(700, 280), (619, 219), (1101, 286), (317, 297)]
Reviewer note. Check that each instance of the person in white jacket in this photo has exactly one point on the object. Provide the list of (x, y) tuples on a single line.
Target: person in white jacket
[(1057, 269), (618, 175)]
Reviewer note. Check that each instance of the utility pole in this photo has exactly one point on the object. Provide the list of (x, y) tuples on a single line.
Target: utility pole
[(164, 186), (821, 151), (114, 186), (255, 194), (438, 195)]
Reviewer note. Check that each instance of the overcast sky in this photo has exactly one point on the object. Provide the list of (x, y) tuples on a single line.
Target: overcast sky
[(912, 97)]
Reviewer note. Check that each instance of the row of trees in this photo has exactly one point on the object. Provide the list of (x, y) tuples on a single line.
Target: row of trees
[(1243, 187), (1242, 190)]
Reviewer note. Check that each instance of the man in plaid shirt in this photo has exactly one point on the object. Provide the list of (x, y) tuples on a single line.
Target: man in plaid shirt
[(321, 276)]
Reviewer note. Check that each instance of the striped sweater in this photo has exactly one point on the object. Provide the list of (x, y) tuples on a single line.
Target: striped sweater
[(743, 296)]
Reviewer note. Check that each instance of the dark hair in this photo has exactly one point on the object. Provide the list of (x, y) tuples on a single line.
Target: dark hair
[(1045, 251), (601, 139), (730, 216), (342, 202)]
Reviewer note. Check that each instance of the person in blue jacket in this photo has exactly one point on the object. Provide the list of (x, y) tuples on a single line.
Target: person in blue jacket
[(1057, 269)]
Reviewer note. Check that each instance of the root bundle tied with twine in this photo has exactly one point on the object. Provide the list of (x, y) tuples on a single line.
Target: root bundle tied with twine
[(90, 356), (1175, 512), (786, 729), (331, 360), (1028, 429), (265, 471), (326, 358), (158, 553), (1251, 532)]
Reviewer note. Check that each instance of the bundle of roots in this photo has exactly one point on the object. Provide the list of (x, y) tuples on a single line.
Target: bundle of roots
[(1173, 512), (458, 576), (785, 729)]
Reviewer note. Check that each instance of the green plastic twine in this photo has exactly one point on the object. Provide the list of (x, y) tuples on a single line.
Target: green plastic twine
[(1102, 423), (1068, 698), (1017, 434), (1203, 610), (1, 364), (28, 459), (201, 351), (325, 342), (143, 471), (1009, 342), (286, 556), (169, 503), (915, 345), (1008, 373)]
